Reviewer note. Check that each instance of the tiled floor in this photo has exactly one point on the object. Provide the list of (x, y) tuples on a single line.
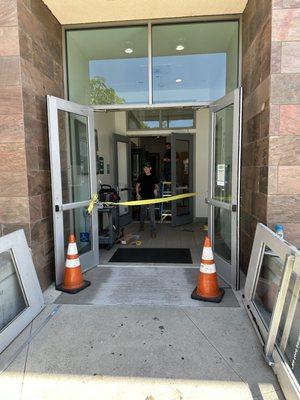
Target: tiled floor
[(186, 236)]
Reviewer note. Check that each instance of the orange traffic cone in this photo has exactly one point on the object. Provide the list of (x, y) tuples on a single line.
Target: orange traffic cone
[(73, 279), (207, 287)]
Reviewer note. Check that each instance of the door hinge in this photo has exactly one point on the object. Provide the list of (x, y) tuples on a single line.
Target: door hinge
[(234, 207), (56, 208)]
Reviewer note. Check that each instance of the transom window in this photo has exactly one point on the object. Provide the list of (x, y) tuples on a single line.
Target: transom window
[(160, 119), (168, 63)]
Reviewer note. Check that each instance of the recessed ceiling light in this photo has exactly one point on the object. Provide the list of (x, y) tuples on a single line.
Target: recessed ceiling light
[(128, 50), (180, 47), (178, 80)]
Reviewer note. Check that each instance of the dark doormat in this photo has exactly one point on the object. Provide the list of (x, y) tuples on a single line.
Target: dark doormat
[(153, 255)]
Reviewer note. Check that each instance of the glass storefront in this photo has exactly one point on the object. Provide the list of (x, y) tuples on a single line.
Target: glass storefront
[(108, 66), (191, 62)]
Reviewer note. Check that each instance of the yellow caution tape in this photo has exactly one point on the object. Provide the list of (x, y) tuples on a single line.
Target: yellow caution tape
[(151, 201), (92, 203)]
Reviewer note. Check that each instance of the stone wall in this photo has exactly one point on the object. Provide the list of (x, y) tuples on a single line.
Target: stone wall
[(256, 59), (284, 141), (40, 38), (14, 202), (30, 68)]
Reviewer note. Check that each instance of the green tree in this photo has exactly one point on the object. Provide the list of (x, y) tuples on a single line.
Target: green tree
[(100, 93)]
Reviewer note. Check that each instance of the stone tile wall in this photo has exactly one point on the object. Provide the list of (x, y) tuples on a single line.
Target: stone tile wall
[(40, 38), (14, 202), (30, 68), (284, 141), (256, 59)]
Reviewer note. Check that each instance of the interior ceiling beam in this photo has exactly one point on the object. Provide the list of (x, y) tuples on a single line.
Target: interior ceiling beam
[(69, 12)]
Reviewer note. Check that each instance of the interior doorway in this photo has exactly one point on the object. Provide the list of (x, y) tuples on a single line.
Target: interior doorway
[(207, 153)]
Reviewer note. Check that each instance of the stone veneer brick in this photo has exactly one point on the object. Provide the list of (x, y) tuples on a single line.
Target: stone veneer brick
[(284, 150), (256, 117), (30, 68)]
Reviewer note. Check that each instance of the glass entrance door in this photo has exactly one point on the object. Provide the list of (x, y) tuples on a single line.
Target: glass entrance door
[(122, 150), (223, 198), (182, 177), (73, 175)]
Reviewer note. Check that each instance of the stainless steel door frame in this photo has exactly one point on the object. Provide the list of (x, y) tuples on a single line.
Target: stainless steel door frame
[(229, 271), (274, 350), (184, 219), (90, 258), (126, 218)]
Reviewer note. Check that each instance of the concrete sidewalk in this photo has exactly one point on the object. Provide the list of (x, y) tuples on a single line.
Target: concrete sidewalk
[(137, 352)]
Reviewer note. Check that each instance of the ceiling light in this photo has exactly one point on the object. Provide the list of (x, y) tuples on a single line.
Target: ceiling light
[(178, 80), (128, 50), (180, 47)]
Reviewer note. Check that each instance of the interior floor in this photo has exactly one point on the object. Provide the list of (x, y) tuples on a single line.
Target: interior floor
[(186, 236)]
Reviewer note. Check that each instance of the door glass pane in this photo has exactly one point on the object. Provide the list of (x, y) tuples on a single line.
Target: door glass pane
[(222, 233), (267, 286), (12, 298), (108, 65), (194, 61), (122, 175), (223, 154), (182, 176), (288, 337), (74, 157), (79, 222)]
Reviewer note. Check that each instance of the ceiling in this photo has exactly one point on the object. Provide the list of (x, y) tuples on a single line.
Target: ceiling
[(97, 11), (198, 38)]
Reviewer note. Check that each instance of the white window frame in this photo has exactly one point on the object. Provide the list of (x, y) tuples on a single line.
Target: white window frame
[(17, 245)]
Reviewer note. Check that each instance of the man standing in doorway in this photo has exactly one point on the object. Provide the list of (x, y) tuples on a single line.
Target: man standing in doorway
[(147, 188), (167, 162)]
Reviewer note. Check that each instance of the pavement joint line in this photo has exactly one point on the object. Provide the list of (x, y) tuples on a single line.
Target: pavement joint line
[(217, 350), (25, 363), (31, 337)]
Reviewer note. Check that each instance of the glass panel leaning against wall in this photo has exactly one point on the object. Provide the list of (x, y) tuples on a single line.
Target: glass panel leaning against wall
[(108, 65)]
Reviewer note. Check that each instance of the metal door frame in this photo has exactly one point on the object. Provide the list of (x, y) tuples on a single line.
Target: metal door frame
[(188, 137), (228, 271), (90, 258), (290, 257), (126, 218)]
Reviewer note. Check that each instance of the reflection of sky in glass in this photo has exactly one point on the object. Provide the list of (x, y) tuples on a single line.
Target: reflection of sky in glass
[(203, 77), (128, 77)]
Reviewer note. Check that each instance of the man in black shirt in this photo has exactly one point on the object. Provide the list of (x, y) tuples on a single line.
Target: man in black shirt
[(147, 188), (167, 162)]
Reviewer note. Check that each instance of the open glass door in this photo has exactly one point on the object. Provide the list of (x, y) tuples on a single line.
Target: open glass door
[(182, 177), (272, 300), (122, 156), (73, 174), (223, 198)]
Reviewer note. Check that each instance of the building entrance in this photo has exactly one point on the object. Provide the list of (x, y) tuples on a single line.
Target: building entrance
[(76, 166)]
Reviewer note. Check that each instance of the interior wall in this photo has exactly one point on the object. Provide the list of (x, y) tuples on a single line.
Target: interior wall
[(105, 127), (78, 65)]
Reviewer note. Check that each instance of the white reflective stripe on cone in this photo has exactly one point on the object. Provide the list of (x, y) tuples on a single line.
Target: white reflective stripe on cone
[(72, 249), (72, 263), (208, 269), (207, 253)]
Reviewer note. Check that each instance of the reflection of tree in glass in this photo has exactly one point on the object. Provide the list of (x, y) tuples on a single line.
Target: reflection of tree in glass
[(100, 93)]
